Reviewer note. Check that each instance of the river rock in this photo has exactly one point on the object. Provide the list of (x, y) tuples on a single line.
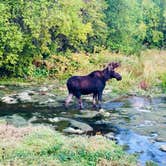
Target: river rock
[(58, 119), (9, 100), (163, 148), (2, 87), (160, 139), (104, 113), (88, 114), (17, 120), (73, 124), (24, 97), (102, 122), (47, 101), (43, 89), (80, 125), (110, 136), (73, 131), (31, 92)]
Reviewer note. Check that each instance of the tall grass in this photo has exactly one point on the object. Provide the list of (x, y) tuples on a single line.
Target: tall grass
[(140, 73), (44, 146)]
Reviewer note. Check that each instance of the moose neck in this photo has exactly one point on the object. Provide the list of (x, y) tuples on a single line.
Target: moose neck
[(106, 75)]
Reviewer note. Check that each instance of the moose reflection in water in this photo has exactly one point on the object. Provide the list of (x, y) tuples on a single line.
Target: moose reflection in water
[(93, 83)]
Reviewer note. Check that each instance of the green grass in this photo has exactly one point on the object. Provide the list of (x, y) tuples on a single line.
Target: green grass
[(47, 147)]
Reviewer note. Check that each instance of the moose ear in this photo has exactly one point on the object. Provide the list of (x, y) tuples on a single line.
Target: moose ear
[(113, 65)]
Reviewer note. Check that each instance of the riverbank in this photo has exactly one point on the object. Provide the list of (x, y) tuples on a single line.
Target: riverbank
[(43, 146)]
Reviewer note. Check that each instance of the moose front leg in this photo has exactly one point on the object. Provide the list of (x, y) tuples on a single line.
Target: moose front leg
[(95, 101), (100, 99)]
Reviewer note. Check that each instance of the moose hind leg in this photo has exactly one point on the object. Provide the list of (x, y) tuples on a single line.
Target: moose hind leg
[(80, 104), (68, 99)]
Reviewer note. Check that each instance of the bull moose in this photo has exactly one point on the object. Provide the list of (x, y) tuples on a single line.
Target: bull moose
[(93, 83)]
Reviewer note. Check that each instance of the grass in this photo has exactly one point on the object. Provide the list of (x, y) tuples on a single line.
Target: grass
[(140, 73), (43, 146)]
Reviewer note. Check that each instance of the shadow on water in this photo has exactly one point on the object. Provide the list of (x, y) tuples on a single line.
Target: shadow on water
[(139, 123)]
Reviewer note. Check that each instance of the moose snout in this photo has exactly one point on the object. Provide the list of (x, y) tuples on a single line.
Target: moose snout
[(119, 78)]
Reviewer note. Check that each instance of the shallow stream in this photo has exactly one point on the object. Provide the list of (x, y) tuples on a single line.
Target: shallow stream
[(137, 123)]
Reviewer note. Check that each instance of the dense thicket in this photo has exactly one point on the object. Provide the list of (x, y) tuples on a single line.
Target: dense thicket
[(38, 29)]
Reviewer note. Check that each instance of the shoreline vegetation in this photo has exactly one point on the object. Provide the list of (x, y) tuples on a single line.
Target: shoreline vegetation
[(144, 74), (43, 146)]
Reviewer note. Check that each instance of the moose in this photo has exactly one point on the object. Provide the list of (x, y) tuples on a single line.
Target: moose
[(93, 83)]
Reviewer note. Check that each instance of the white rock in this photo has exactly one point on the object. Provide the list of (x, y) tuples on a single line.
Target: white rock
[(2, 87), (73, 131), (163, 148), (43, 89), (9, 100), (24, 97)]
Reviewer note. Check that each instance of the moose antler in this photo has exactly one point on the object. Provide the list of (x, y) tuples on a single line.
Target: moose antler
[(113, 65)]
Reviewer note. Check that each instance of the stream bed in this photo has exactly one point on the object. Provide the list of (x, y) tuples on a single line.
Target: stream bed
[(136, 123)]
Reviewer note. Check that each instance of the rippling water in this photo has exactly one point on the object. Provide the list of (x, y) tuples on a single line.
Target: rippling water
[(139, 123)]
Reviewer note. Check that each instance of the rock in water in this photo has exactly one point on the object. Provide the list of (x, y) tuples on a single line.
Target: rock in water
[(73, 131), (163, 148), (9, 100), (24, 97), (80, 125)]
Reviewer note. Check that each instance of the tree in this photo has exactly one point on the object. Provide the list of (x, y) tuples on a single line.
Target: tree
[(153, 18), (126, 29)]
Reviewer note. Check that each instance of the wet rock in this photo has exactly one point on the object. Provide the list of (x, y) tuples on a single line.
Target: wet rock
[(50, 95), (104, 113), (73, 124), (73, 131), (88, 114), (9, 100), (2, 87), (43, 89), (163, 148), (33, 119), (20, 97), (31, 92), (47, 101), (58, 119), (102, 122), (143, 110), (17, 120), (24, 97), (107, 91), (80, 125), (159, 139), (110, 136)]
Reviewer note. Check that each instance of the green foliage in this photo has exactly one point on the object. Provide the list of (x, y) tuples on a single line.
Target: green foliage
[(42, 28), (126, 29), (163, 81), (29, 29), (151, 16)]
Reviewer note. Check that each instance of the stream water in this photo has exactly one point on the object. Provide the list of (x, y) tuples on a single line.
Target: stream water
[(138, 123)]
